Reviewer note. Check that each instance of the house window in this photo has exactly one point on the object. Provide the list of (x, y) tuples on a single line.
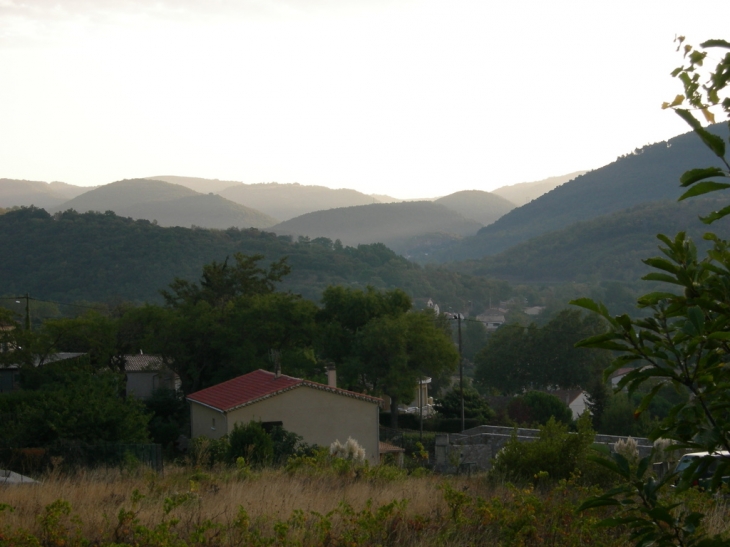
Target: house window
[(269, 426), (212, 425)]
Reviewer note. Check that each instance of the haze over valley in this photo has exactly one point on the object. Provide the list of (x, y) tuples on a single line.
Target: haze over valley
[(585, 226)]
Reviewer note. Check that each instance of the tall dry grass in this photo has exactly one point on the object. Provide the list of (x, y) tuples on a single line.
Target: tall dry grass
[(438, 510), (97, 496)]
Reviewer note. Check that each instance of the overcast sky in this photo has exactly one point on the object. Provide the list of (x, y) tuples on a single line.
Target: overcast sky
[(407, 98)]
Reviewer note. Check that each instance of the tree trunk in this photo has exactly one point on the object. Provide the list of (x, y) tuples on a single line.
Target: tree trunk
[(394, 412)]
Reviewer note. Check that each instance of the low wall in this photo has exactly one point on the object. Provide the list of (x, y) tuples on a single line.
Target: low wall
[(474, 449)]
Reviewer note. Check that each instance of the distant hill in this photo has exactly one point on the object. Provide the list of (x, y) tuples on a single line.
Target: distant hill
[(393, 224), (609, 247), (28, 192), (286, 201), (69, 191), (648, 174), (484, 207), (203, 186), (100, 257), (168, 204), (24, 193), (203, 210), (525, 192), (383, 198)]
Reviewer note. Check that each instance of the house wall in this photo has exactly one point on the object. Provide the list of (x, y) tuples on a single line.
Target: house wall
[(320, 417), (142, 384), (578, 405), (206, 422)]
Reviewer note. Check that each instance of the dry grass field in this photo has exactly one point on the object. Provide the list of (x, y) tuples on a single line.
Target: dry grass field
[(230, 507)]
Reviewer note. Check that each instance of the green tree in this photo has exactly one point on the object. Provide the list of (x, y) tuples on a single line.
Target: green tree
[(107, 336), (72, 403), (474, 338), (379, 345), (684, 342), (475, 406), (518, 358), (230, 323), (16, 343), (537, 407)]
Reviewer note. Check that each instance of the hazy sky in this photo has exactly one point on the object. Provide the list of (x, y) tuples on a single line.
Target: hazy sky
[(409, 98)]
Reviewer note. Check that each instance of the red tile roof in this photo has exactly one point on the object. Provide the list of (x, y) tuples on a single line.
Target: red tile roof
[(387, 448), (258, 385)]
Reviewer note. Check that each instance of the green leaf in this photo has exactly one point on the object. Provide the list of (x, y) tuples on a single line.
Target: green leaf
[(716, 43), (694, 175), (597, 502), (661, 277), (713, 142), (590, 305), (653, 298), (646, 401), (687, 116), (719, 336), (697, 318), (603, 341), (661, 264), (716, 215), (703, 188)]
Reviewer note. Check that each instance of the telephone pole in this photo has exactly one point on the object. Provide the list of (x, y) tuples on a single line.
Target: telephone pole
[(27, 311), (461, 375)]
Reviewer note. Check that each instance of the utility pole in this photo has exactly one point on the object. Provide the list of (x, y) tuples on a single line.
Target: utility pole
[(27, 311), (420, 406), (461, 375)]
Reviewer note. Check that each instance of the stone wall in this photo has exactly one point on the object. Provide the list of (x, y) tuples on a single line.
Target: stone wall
[(474, 449)]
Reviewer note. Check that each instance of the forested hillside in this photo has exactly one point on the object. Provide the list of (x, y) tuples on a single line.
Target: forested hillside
[(99, 256), (525, 192), (484, 207), (610, 247), (286, 201), (168, 204), (394, 224), (649, 174)]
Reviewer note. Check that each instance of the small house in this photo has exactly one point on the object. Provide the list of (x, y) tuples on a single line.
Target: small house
[(146, 374), (319, 413)]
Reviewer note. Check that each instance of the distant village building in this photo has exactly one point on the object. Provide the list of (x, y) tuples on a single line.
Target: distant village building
[(576, 399), (492, 318), (146, 374)]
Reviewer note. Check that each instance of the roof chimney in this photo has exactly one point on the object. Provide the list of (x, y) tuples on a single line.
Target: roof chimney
[(331, 376)]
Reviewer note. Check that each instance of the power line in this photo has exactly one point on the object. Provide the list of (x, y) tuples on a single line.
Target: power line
[(17, 298)]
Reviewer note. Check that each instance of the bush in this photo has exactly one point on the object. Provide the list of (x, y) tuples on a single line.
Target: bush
[(252, 443), (537, 407), (286, 444), (555, 455)]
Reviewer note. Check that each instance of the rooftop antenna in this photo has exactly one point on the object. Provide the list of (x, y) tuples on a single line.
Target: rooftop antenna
[(275, 358)]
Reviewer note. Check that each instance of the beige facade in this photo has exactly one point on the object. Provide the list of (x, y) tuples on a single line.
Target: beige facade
[(142, 384), (320, 416)]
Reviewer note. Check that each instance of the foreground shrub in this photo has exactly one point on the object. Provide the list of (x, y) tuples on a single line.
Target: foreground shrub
[(252, 443), (556, 454)]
